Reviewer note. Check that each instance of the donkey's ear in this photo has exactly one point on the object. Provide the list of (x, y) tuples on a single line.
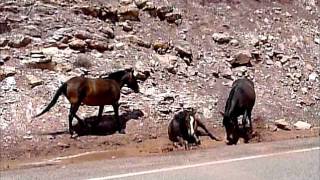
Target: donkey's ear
[(222, 113)]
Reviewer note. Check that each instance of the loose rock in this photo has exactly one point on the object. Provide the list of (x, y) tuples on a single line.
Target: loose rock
[(33, 80), (300, 125), (282, 124)]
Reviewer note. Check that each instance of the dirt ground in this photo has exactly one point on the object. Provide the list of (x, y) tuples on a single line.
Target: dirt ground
[(117, 145)]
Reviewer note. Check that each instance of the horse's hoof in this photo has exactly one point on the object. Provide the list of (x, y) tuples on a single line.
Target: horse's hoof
[(74, 136)]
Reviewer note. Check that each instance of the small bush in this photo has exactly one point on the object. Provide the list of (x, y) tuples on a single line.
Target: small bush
[(82, 61)]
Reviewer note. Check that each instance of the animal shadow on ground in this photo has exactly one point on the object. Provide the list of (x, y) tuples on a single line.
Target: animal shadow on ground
[(107, 124)]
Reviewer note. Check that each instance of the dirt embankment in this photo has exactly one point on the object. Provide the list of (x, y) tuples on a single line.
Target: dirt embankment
[(193, 51)]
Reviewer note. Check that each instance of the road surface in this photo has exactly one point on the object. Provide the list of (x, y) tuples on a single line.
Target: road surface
[(297, 159)]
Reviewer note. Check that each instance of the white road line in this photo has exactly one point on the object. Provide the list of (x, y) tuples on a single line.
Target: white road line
[(59, 159), (203, 164)]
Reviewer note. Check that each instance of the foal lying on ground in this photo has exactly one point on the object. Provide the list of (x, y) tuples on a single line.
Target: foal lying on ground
[(183, 129), (95, 92)]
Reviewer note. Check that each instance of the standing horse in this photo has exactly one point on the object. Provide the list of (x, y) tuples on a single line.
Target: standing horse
[(183, 129), (240, 102), (95, 92)]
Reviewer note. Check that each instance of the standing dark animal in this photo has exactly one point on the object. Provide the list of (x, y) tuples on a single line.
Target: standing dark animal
[(95, 92), (183, 129), (240, 102)]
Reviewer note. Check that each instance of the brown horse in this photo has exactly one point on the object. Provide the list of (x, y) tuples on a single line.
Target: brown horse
[(95, 92)]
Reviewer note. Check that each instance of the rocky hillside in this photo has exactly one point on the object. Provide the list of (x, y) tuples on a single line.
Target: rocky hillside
[(192, 50)]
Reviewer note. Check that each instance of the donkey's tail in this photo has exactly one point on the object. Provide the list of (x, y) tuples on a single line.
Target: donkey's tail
[(62, 90)]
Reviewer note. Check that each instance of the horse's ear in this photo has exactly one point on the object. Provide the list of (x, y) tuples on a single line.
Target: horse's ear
[(222, 113), (130, 69)]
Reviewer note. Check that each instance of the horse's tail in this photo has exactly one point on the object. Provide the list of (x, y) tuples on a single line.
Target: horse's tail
[(62, 90)]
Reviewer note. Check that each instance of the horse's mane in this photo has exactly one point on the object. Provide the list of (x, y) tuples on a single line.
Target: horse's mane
[(116, 75)]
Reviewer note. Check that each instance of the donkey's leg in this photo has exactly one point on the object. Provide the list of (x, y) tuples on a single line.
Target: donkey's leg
[(116, 114)]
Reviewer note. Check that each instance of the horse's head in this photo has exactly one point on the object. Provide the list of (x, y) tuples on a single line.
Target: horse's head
[(125, 77), (191, 124), (131, 80)]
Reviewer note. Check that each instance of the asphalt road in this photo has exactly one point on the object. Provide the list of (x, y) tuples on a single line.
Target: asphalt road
[(293, 159)]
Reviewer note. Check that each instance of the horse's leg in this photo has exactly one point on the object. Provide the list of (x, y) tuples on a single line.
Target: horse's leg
[(73, 110), (250, 121), (207, 132), (99, 115), (236, 131), (244, 119), (116, 114), (183, 142), (248, 131)]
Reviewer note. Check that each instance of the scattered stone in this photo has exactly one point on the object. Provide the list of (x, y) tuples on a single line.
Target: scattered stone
[(108, 31), (317, 40), (18, 41), (6, 71), (282, 124), (9, 84), (78, 44), (301, 125), (269, 62), (120, 46), (151, 9), (313, 76), (304, 90), (167, 61), (83, 35), (184, 50), (226, 72), (34, 81), (241, 58), (221, 38), (234, 42), (162, 11), (27, 137), (50, 51), (129, 12), (285, 59), (125, 2), (140, 3), (3, 42), (174, 17), (4, 26), (127, 26), (38, 61), (140, 42), (161, 46), (263, 39), (87, 10), (98, 45)]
